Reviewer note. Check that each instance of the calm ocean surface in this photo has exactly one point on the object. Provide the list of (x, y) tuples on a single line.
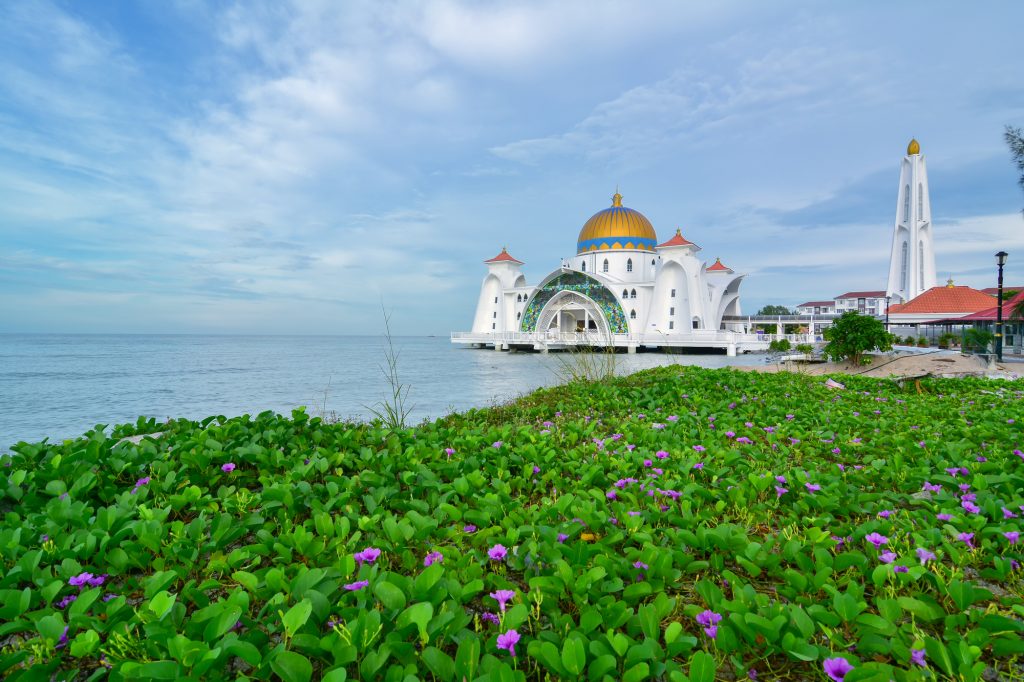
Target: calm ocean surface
[(58, 386)]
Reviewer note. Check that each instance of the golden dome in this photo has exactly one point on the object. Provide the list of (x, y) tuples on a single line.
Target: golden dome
[(617, 228), (913, 148)]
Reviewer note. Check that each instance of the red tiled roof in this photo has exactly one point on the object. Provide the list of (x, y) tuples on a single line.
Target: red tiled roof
[(678, 240), (503, 257), (989, 314), (992, 291), (718, 267), (944, 299), (816, 303), (862, 294)]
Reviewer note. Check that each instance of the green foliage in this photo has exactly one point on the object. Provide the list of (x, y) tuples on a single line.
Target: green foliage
[(393, 410), (1015, 141), (779, 345), (946, 339), (775, 310), (852, 335), (805, 348), (978, 339), (210, 574), (922, 342)]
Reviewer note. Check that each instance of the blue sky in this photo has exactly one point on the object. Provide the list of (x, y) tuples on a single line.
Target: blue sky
[(283, 167)]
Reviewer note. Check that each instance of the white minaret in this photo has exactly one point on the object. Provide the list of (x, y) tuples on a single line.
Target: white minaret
[(912, 263)]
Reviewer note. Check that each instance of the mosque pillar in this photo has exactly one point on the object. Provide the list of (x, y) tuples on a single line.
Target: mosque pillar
[(779, 328)]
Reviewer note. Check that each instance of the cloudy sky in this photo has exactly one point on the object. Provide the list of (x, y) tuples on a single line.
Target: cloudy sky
[(284, 167)]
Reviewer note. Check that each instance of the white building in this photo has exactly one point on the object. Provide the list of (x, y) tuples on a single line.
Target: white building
[(864, 302), (622, 288), (912, 261), (816, 308)]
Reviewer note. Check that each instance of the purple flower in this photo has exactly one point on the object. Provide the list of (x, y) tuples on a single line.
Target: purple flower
[(917, 657), (744, 439), (562, 537), (497, 553), (752, 674), (610, 495), (953, 471), (812, 487), (433, 558), (368, 555), (648, 463), (730, 434), (1007, 514), (708, 617), (699, 448), (781, 479), (44, 538), (944, 517), (357, 585), (640, 564), (837, 668), (80, 580), (901, 569), (228, 468), (502, 597), (97, 581), (876, 539), (139, 483), (925, 555), (672, 418), (536, 469), (497, 444), (887, 557), (698, 465), (932, 488), (508, 641), (779, 492), (966, 538), (970, 506), (490, 617), (469, 528), (885, 513), (661, 454), (449, 452), (1012, 536), (63, 603), (63, 639), (657, 426), (109, 597)]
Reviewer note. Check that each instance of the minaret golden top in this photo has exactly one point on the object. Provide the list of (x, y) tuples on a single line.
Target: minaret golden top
[(913, 148), (617, 199)]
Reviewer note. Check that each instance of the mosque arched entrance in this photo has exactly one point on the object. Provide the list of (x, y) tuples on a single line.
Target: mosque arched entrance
[(570, 312)]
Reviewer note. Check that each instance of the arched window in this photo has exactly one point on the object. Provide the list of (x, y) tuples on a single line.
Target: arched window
[(906, 203), (652, 262), (671, 325), (920, 201), (629, 265), (696, 323), (673, 295), (604, 268), (625, 293), (632, 294), (518, 315), (903, 267), (583, 266), (632, 314)]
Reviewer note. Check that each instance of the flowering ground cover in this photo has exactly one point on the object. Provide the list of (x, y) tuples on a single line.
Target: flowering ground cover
[(678, 524)]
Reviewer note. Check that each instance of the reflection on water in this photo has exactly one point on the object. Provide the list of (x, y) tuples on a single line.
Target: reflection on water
[(59, 386)]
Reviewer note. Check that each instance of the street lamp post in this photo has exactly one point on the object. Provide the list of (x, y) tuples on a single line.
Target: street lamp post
[(1000, 261), (887, 312)]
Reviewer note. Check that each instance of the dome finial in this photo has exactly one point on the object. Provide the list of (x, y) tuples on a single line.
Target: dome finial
[(617, 199), (949, 283), (913, 148)]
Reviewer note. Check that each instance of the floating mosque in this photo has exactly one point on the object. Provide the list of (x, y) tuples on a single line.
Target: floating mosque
[(623, 289)]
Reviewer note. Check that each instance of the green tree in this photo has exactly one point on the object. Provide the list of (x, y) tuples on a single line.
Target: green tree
[(1015, 139), (775, 310), (852, 335), (978, 338)]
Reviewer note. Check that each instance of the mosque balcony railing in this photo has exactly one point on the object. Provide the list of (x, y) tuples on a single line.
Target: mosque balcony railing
[(693, 337)]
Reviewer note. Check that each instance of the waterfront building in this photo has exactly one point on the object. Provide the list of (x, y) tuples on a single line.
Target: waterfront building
[(946, 302), (864, 302), (816, 308), (912, 260), (622, 288)]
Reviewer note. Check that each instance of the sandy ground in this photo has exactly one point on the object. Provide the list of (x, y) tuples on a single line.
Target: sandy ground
[(899, 364)]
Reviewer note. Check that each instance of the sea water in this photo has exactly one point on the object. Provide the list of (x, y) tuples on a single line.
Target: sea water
[(58, 386)]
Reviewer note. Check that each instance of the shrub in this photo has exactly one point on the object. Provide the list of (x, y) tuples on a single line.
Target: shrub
[(854, 334), (910, 341), (922, 342), (805, 348), (977, 338), (779, 345)]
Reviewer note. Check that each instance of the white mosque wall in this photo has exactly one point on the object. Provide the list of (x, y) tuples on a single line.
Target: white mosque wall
[(912, 258), (489, 305)]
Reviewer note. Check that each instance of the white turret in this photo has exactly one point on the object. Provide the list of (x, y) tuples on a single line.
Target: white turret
[(496, 309), (912, 263)]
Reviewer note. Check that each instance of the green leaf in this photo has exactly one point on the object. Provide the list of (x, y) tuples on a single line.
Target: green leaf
[(85, 643), (420, 614), (638, 672), (702, 667), (296, 617), (162, 603), (440, 663), (574, 656), (292, 667), (467, 658), (389, 595)]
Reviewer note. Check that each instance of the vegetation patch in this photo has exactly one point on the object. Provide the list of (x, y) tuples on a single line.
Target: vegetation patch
[(677, 524)]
